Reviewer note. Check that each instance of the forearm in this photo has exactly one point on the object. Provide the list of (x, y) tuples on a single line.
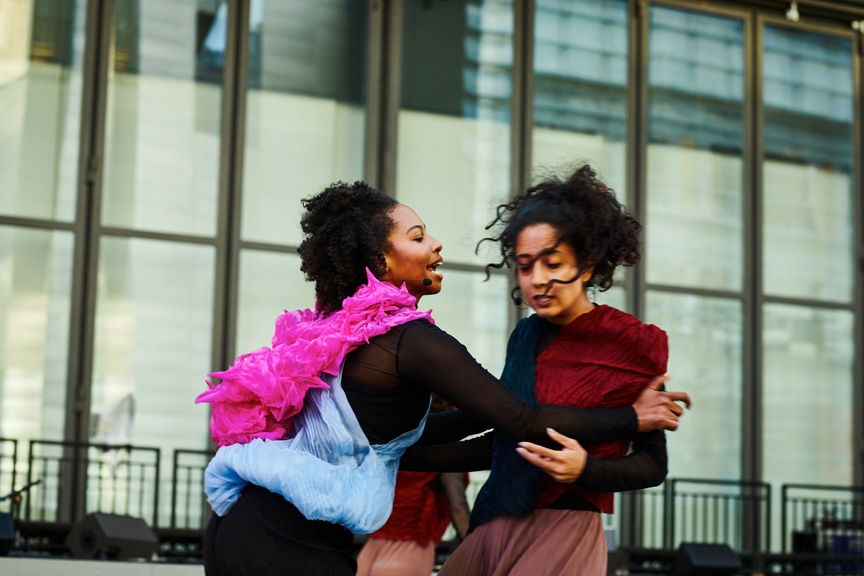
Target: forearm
[(644, 467)]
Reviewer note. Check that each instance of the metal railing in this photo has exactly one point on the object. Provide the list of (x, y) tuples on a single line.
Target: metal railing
[(8, 463), (126, 480), (189, 508), (119, 479), (730, 512), (810, 508)]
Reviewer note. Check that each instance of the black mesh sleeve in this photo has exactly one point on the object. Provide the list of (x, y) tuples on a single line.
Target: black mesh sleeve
[(443, 427), (645, 466), (431, 358), (465, 456)]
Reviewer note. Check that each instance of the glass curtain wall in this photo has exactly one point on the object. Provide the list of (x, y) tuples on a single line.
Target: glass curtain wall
[(304, 129), (581, 54), (734, 220), (453, 155), (809, 257), (41, 53), (453, 159), (694, 227), (154, 293), (580, 97)]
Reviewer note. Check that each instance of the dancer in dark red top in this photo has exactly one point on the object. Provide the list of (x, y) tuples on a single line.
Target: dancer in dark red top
[(564, 238)]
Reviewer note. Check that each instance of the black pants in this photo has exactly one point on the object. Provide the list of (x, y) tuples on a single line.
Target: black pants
[(264, 535)]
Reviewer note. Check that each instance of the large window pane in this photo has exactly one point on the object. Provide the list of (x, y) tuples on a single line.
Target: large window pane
[(808, 399), (35, 285), (270, 283), (808, 391), (807, 170), (304, 111), (152, 345), (580, 88), (454, 123), (694, 221), (474, 311), (40, 105), (705, 359), (162, 135)]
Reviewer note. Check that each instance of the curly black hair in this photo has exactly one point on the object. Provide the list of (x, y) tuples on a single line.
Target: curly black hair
[(587, 216), (346, 229)]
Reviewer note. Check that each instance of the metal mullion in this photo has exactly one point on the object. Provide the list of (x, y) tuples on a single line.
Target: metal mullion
[(25, 222), (152, 235), (858, 215), (96, 64), (374, 75), (392, 95), (752, 396), (521, 115), (521, 97), (234, 83), (383, 90), (637, 139), (636, 142)]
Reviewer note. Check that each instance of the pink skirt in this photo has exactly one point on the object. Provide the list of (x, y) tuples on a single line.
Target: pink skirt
[(552, 542), (382, 557)]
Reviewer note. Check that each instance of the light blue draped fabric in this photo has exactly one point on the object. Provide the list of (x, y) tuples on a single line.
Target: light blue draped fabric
[(328, 469)]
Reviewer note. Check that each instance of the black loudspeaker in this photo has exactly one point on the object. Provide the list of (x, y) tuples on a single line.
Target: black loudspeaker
[(7, 533), (696, 559), (112, 537)]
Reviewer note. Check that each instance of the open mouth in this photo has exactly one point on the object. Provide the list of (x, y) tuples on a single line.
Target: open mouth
[(434, 269)]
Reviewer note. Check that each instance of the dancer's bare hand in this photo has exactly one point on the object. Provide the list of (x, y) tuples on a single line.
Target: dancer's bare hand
[(657, 409), (564, 465)]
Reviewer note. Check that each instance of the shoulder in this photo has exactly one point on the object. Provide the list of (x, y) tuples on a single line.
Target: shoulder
[(420, 330), (630, 330)]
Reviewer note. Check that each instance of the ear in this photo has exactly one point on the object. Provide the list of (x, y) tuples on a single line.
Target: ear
[(586, 275)]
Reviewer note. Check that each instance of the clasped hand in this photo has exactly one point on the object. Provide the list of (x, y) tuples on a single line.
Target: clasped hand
[(655, 409)]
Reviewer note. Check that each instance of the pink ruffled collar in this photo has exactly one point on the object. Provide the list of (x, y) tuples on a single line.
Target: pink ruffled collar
[(263, 390)]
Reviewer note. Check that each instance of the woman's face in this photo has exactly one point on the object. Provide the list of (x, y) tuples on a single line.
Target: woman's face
[(414, 255), (541, 258)]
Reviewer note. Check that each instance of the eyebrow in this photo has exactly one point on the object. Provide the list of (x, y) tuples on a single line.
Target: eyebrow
[(420, 226), (528, 258)]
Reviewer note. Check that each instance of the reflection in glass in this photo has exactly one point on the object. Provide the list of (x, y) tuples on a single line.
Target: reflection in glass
[(694, 222), (475, 312), (40, 107), (808, 398), (152, 344), (807, 171), (580, 88), (35, 285), (454, 128), (705, 360), (615, 297), (304, 111), (808, 395), (162, 134), (270, 283)]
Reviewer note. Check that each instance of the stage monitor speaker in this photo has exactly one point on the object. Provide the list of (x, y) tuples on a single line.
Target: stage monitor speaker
[(699, 559), (7, 533), (112, 537)]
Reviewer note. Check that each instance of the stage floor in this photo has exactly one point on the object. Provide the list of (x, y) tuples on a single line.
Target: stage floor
[(28, 566)]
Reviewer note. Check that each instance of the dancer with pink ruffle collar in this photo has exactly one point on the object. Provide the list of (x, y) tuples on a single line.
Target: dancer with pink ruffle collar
[(311, 430)]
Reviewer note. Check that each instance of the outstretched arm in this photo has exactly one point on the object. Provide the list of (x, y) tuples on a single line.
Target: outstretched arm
[(645, 466), (436, 361)]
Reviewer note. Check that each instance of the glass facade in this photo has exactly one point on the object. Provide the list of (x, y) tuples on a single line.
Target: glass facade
[(304, 109), (694, 225), (149, 205), (580, 89)]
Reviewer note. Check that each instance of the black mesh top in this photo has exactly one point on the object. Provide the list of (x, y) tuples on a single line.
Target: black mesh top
[(388, 384)]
